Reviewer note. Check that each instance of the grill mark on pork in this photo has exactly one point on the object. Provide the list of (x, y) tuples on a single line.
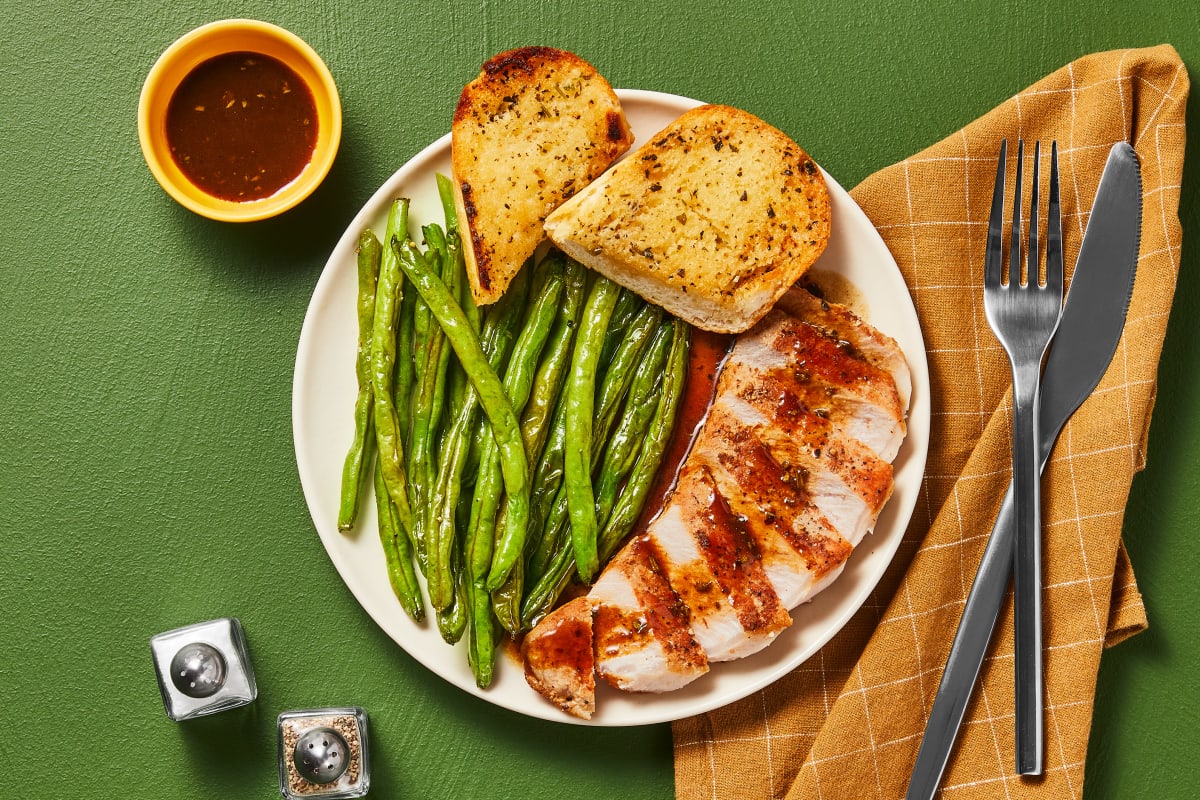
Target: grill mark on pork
[(666, 614), (733, 557)]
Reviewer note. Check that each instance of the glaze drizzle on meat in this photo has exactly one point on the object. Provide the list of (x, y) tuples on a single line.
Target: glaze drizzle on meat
[(788, 472)]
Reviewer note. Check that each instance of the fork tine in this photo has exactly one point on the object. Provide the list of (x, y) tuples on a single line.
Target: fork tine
[(1031, 257), (1014, 256), (1054, 242), (994, 259)]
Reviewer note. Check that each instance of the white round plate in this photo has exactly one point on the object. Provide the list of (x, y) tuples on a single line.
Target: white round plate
[(323, 399)]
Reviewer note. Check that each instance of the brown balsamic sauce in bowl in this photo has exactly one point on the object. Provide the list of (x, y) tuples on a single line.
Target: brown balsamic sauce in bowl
[(241, 126)]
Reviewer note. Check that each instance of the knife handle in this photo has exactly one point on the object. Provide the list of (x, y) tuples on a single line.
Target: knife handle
[(966, 654)]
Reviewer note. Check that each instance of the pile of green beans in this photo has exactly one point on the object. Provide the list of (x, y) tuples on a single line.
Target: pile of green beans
[(511, 448)]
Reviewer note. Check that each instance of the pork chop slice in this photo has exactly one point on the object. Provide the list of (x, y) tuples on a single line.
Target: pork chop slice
[(832, 377), (712, 563), (839, 322), (801, 551), (558, 658), (803, 406), (641, 634)]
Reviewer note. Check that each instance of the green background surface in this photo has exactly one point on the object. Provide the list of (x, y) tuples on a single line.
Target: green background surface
[(147, 476)]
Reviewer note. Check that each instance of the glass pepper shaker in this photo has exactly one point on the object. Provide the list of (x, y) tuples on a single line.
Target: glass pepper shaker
[(323, 753), (203, 668)]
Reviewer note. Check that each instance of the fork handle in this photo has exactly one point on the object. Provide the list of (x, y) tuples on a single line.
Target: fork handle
[(1027, 572)]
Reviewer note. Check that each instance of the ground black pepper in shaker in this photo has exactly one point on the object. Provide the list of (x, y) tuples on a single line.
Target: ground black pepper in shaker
[(323, 753)]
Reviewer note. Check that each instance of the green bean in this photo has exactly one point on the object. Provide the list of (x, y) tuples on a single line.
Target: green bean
[(358, 458), (492, 397), (438, 256), (428, 403), (402, 369), (580, 397), (497, 334), (445, 188), (481, 638), (547, 383), (422, 327), (405, 371), (397, 552), (637, 335), (452, 620), (541, 598), (454, 248), (446, 493), (518, 383), (383, 357), (506, 600), (555, 534), (457, 383), (451, 276), (546, 492), (421, 321), (639, 408), (641, 479), (628, 304)]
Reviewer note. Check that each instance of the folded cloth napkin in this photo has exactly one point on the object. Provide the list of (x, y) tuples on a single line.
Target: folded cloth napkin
[(848, 722)]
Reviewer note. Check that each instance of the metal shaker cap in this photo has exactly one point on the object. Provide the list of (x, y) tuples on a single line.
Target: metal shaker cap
[(321, 755), (198, 670)]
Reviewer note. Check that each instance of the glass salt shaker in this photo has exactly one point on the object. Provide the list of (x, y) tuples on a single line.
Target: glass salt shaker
[(203, 668), (323, 753)]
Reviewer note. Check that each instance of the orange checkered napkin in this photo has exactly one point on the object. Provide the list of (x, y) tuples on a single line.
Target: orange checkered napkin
[(848, 722)]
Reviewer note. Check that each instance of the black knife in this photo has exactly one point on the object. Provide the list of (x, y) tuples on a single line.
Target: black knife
[(1092, 320)]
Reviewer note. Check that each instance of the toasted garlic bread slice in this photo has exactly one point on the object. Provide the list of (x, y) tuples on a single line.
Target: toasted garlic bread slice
[(536, 126), (713, 218)]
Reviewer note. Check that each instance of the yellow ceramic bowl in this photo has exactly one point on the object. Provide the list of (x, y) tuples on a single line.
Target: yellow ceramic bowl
[(219, 38)]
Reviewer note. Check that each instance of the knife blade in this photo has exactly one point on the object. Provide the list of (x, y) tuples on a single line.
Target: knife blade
[(1092, 320)]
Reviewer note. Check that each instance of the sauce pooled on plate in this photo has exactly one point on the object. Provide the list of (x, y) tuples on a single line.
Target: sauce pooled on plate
[(241, 126)]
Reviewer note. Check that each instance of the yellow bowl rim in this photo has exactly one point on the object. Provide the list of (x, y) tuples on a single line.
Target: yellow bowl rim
[(208, 41)]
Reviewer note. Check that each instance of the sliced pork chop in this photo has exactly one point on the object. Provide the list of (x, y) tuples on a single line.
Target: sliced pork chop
[(789, 470), (813, 409), (843, 479), (642, 641), (838, 322)]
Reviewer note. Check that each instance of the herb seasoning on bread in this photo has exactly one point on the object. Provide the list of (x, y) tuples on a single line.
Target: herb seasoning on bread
[(713, 219)]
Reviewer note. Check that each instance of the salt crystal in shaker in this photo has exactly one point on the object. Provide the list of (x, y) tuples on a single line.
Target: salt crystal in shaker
[(203, 668), (323, 753)]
